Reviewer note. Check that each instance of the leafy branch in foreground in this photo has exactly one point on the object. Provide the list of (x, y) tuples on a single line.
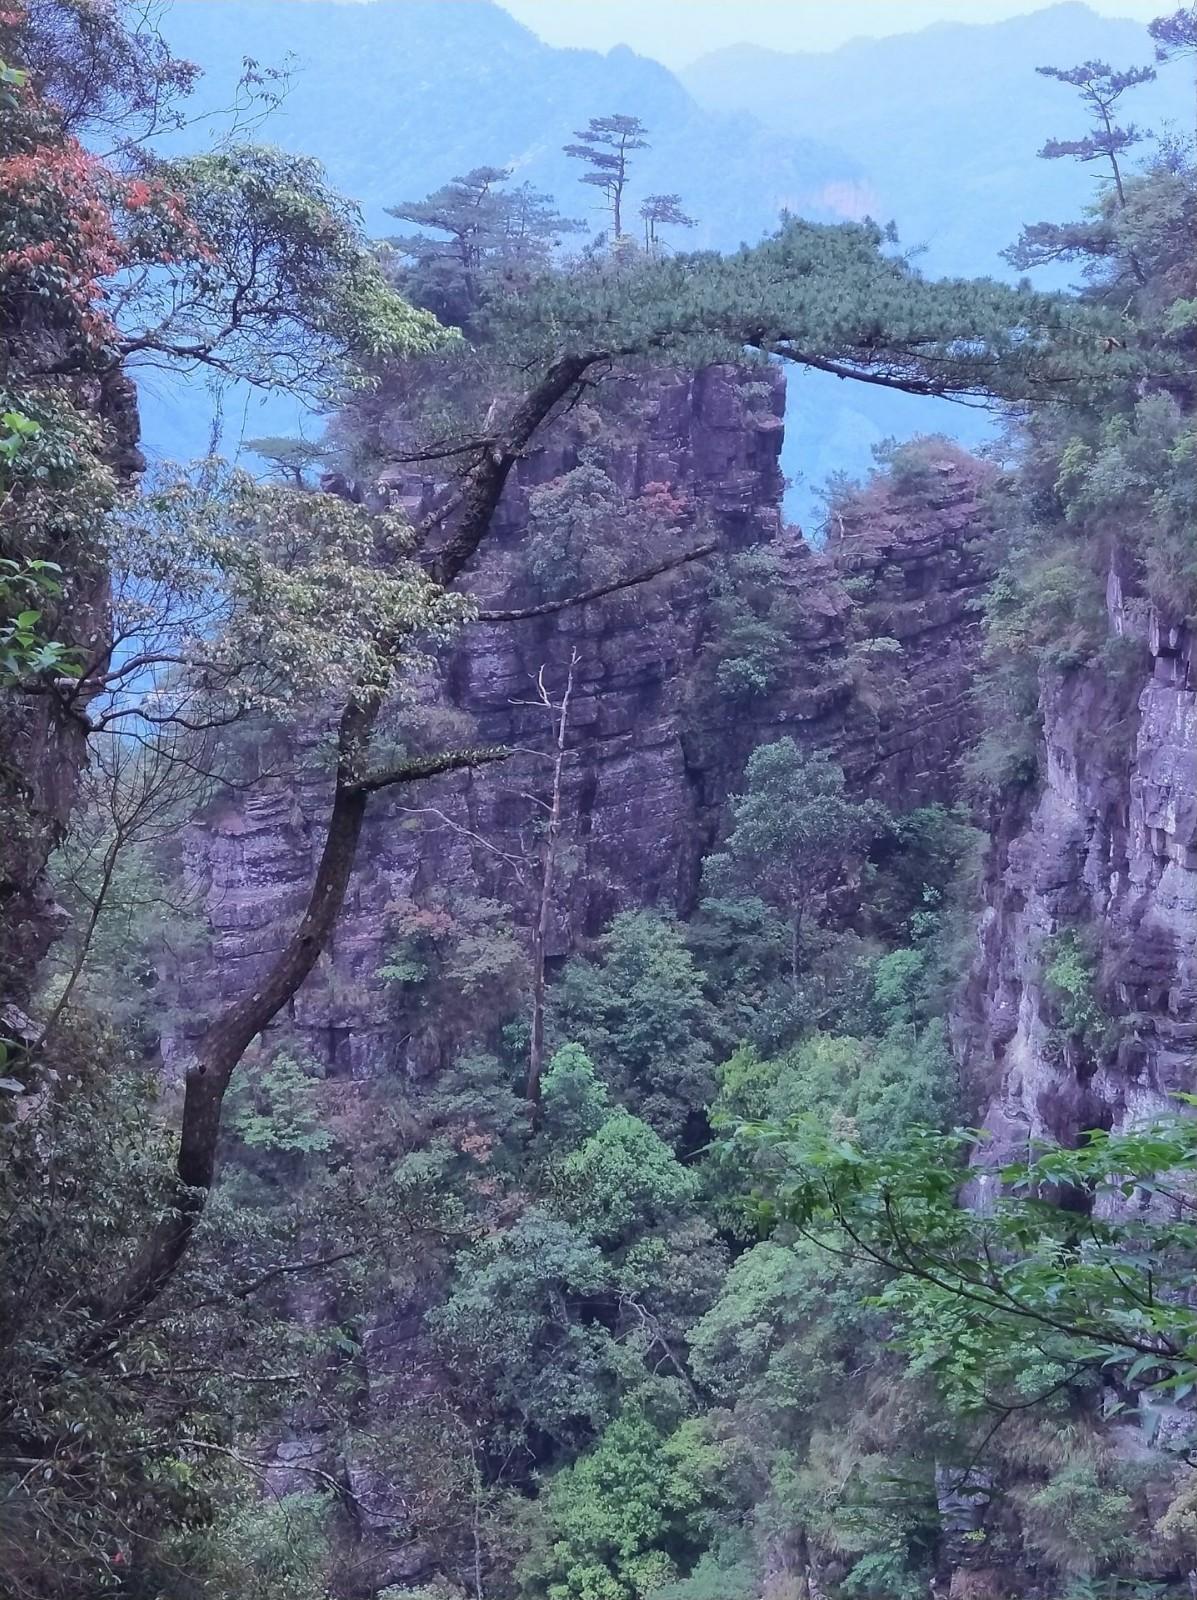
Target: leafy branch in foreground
[(1083, 1256)]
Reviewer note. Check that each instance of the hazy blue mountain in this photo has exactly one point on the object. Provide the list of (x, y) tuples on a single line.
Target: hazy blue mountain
[(399, 95), (946, 122)]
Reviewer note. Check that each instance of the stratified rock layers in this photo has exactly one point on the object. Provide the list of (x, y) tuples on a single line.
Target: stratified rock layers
[(654, 751), (1107, 856)]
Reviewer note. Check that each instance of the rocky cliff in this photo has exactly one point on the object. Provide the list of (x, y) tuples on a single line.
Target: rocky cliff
[(1103, 863), (877, 636), (875, 639)]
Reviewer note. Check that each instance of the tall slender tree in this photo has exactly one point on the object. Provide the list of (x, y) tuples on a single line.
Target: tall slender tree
[(1101, 87), (605, 145), (475, 232), (557, 712)]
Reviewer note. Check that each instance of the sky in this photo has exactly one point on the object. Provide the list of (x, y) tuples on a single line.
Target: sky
[(678, 31)]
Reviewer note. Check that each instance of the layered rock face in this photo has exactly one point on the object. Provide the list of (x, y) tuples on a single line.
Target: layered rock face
[(654, 750), (1106, 858)]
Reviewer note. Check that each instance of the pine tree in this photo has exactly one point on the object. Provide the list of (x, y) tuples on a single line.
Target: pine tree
[(605, 146), (662, 211), (290, 459), (494, 235), (1101, 87)]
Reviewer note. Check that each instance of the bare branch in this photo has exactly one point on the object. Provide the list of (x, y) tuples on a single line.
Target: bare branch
[(521, 613)]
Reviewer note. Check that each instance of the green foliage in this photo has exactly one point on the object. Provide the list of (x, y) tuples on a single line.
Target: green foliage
[(277, 1107), (605, 146), (624, 1179), (583, 532), (795, 835), (577, 531), (505, 1321), (1058, 1256), (751, 624), (290, 459), (660, 211), (83, 1164), (1139, 479), (268, 594), (132, 924), (626, 1516), (696, 1431), (24, 652), (715, 1578), (55, 494), (1070, 980), (257, 1549), (285, 290), (744, 1347), (830, 295), (641, 1015), (494, 239), (881, 1086), (1080, 1521), (456, 953), (1049, 605), (19, 435), (1005, 757), (924, 861), (574, 1100)]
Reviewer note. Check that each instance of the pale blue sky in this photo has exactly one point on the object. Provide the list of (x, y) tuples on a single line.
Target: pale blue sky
[(676, 31)]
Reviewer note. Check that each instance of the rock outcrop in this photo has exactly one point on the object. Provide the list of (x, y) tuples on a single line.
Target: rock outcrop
[(881, 639), (1105, 856)]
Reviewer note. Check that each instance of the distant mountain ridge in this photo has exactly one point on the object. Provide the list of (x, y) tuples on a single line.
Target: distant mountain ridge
[(946, 122), (397, 96)]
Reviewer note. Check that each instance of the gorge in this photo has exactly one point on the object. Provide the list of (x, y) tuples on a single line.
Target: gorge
[(564, 1037)]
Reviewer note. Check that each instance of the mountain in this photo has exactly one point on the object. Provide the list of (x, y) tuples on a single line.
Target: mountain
[(397, 96), (945, 123), (937, 129)]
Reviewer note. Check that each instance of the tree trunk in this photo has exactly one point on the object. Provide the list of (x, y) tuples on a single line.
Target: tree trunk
[(795, 952), (540, 931), (486, 480), (227, 1039)]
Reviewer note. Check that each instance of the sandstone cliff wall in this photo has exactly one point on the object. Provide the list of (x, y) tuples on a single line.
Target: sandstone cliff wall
[(653, 752), (1105, 855), (42, 744)]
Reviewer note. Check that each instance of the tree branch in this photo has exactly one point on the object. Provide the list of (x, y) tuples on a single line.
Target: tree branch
[(419, 767), (521, 613), (484, 483)]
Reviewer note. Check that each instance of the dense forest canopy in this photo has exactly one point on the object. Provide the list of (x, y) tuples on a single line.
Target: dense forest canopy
[(712, 1296)]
